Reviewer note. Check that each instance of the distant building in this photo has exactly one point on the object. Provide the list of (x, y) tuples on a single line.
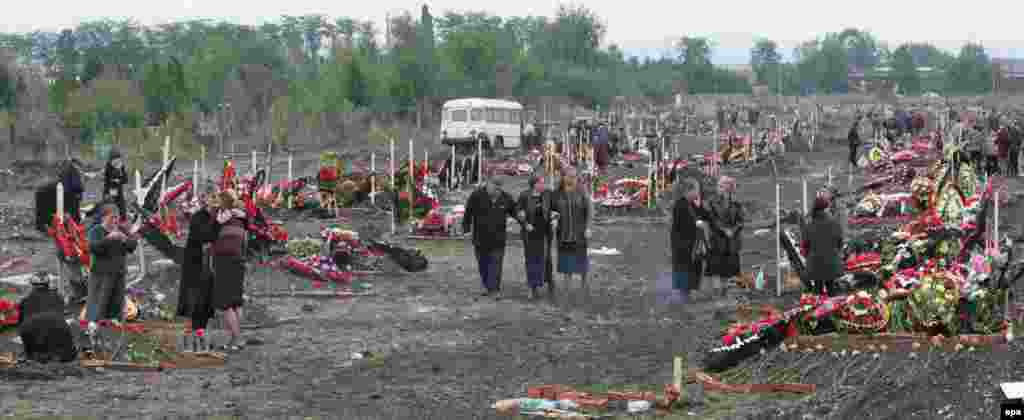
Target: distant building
[(744, 70), (882, 79), (1009, 75)]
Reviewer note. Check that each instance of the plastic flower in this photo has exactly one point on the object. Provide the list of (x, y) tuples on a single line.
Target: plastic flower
[(200, 333)]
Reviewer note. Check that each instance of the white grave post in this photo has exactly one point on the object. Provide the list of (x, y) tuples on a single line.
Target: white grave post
[(807, 205), (140, 197), (394, 211), (195, 180), (60, 220), (202, 165), (291, 159), (252, 164), (267, 161), (451, 171), (778, 239), (373, 178), (480, 160)]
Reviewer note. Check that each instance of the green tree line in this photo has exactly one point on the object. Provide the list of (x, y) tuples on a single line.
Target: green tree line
[(325, 65)]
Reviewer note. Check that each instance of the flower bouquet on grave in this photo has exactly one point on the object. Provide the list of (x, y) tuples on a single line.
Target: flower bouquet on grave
[(9, 313), (862, 313), (934, 304), (812, 320)]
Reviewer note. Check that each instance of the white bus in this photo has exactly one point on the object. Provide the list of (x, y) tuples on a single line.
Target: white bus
[(497, 122)]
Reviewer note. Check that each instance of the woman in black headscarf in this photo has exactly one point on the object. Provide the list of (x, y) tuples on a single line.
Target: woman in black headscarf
[(196, 286), (824, 235), (71, 178), (535, 217), (114, 178)]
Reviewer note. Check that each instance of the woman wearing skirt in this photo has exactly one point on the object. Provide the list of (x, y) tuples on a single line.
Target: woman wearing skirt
[(535, 213), (572, 227), (228, 266)]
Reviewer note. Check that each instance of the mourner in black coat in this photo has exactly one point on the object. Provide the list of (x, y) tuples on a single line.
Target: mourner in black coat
[(487, 211), (114, 178), (71, 178), (535, 215), (725, 234), (824, 235), (45, 335), (684, 239), (196, 286)]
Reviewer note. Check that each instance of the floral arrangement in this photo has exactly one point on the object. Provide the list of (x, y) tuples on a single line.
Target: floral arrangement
[(10, 312), (71, 241), (862, 312), (933, 304), (303, 248), (868, 261)]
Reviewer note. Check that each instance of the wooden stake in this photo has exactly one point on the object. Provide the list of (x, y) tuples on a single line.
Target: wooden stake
[(451, 171), (141, 199), (480, 160), (373, 177), (393, 191), (291, 157), (807, 205), (778, 238), (252, 163)]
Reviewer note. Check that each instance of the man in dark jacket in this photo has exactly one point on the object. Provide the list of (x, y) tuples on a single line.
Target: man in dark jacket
[(854, 138), (824, 235), (486, 218), (109, 245), (114, 178), (684, 238), (71, 178), (1014, 148)]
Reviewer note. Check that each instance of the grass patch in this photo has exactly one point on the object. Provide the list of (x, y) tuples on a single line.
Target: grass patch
[(441, 248)]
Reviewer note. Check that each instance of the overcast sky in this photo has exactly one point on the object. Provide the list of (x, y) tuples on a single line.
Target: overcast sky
[(642, 27)]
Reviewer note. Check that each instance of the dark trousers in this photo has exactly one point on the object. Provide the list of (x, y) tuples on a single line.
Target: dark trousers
[(489, 262), (1012, 161), (537, 256), (853, 154), (106, 296)]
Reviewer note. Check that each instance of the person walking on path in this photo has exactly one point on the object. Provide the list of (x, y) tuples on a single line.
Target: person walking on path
[(196, 287), (684, 242), (572, 226), (535, 215), (228, 266), (486, 219)]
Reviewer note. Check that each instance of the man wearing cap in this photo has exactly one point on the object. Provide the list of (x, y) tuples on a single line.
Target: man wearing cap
[(486, 219)]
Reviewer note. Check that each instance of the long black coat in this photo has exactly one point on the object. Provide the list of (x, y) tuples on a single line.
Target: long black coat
[(824, 235), (724, 252), (71, 178), (196, 284), (113, 185), (683, 237)]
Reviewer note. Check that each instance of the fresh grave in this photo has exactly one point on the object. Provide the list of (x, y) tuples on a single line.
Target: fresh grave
[(939, 279)]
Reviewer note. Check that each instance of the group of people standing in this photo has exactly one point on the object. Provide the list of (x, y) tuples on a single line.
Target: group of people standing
[(550, 218), (705, 239), (213, 271)]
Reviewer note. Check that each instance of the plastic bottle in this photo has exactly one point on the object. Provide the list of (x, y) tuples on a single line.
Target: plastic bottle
[(567, 405), (638, 406), (536, 404)]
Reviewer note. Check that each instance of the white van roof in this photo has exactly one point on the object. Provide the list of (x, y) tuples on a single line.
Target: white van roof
[(482, 103)]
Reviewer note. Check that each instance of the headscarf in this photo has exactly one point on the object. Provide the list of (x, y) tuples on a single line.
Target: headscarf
[(727, 184)]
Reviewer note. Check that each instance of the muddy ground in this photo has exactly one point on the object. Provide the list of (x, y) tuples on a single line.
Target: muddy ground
[(439, 351)]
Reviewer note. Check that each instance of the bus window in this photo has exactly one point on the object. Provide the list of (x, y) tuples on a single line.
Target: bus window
[(514, 117), (476, 114), (491, 115), (458, 115)]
